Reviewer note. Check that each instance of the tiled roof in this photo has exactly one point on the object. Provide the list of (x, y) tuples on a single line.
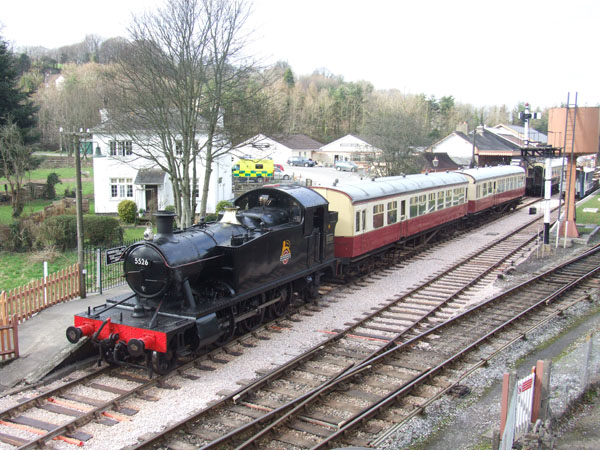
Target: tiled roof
[(150, 176), (298, 142)]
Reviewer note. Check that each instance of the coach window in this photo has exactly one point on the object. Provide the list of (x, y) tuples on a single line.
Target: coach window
[(478, 191), (422, 204), (448, 198), (440, 200), (357, 222), (414, 207), (378, 216), (392, 212), (364, 219), (431, 202), (403, 210), (456, 196)]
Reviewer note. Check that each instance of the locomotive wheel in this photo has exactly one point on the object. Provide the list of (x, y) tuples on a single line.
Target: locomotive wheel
[(227, 325), (252, 323), (279, 309), (162, 363)]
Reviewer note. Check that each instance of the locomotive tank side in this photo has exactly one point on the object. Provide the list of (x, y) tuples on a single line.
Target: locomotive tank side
[(155, 268)]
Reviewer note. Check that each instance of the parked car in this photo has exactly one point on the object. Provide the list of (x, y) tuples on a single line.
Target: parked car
[(301, 161), (347, 166), (279, 175), (279, 166)]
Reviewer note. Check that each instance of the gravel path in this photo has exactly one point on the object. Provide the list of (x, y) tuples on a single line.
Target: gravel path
[(195, 395)]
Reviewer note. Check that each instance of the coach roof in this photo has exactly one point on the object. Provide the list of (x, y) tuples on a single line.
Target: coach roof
[(388, 186), (485, 173)]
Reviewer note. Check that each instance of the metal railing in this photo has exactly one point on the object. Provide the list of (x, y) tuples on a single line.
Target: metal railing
[(100, 274)]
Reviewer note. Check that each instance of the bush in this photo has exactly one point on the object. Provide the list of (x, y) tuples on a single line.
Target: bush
[(127, 211), (61, 231), (50, 191), (20, 237), (70, 193), (102, 230), (170, 208)]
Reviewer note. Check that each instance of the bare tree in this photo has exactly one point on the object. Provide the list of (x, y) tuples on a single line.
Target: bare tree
[(73, 104), (396, 125), (15, 159), (173, 83)]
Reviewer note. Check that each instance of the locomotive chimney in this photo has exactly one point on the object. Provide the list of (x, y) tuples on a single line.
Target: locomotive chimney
[(164, 223)]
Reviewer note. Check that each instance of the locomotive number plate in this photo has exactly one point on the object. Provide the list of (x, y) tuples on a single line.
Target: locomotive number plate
[(141, 261)]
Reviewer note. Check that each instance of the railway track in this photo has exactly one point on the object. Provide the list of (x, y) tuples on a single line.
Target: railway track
[(71, 410), (412, 313)]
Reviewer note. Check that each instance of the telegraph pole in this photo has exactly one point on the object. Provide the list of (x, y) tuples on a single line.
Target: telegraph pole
[(76, 137)]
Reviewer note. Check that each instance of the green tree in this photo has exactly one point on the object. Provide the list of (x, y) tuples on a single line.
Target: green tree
[(15, 105)]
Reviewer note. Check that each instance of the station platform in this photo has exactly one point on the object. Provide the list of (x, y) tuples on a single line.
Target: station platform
[(43, 344)]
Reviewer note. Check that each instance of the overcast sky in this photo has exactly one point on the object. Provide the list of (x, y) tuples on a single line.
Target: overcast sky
[(479, 51)]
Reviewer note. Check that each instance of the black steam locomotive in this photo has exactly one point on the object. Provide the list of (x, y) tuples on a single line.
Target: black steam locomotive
[(198, 286)]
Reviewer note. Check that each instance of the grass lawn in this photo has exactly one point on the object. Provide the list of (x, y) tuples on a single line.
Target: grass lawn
[(589, 218), (18, 269)]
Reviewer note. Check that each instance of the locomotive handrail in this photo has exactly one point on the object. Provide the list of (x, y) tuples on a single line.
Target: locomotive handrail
[(96, 313)]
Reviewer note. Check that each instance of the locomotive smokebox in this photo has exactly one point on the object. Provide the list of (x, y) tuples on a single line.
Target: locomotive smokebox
[(164, 224)]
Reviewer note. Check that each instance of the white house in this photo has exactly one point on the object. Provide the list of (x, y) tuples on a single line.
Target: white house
[(121, 175), (350, 148), (278, 148), (457, 145)]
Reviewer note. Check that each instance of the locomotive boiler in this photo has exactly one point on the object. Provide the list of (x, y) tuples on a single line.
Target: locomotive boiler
[(197, 287)]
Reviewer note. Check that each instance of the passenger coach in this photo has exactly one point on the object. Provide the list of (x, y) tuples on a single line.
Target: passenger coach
[(376, 213), (494, 187)]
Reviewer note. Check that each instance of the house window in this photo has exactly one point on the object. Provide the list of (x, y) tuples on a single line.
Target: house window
[(392, 212), (378, 216), (121, 188), (121, 148), (178, 148)]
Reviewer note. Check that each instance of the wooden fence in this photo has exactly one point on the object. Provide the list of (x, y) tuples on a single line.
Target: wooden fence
[(9, 341), (23, 302)]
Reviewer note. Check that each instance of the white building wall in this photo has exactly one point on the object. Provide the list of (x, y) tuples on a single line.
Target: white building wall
[(127, 167), (455, 146), (345, 148), (263, 147)]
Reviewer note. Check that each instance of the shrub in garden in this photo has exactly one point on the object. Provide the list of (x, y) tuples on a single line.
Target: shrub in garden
[(61, 231), (127, 210), (50, 190), (20, 238), (102, 230)]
